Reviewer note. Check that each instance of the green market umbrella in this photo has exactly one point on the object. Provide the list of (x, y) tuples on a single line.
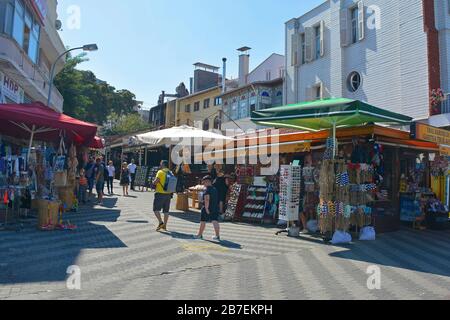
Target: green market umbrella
[(326, 114)]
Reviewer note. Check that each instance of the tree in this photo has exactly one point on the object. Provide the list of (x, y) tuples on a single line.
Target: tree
[(120, 125), (89, 99)]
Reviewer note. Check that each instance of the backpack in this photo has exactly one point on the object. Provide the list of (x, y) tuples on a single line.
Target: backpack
[(171, 183)]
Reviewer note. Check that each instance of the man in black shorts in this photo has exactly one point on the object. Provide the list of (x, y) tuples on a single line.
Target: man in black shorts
[(210, 209), (162, 197)]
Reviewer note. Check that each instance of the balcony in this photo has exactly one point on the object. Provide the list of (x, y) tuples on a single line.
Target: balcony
[(33, 79)]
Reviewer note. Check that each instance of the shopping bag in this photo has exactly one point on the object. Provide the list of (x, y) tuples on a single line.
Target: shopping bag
[(368, 234), (341, 237), (61, 179)]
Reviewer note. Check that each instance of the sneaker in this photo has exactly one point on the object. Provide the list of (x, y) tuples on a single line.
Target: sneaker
[(216, 239), (305, 231), (160, 227), (164, 227), (198, 237)]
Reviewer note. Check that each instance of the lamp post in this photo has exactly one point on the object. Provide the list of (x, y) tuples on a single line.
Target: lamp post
[(88, 47)]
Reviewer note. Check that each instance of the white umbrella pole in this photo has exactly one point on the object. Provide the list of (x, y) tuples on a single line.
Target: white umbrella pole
[(31, 143)]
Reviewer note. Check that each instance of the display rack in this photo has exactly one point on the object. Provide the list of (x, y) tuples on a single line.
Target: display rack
[(236, 202), (290, 191), (151, 175), (141, 176), (255, 206)]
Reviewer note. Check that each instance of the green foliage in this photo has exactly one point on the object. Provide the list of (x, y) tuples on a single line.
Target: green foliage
[(120, 125), (89, 99)]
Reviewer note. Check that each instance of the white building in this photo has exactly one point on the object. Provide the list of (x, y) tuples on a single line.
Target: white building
[(29, 44), (388, 53), (259, 89)]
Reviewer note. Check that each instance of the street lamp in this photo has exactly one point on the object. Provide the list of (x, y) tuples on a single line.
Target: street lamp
[(87, 47)]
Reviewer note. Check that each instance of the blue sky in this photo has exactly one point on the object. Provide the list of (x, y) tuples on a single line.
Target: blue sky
[(150, 45)]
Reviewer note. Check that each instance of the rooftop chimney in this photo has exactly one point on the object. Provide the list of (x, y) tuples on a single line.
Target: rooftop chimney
[(244, 65)]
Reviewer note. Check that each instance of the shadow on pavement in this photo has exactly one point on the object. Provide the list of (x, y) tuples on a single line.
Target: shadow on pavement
[(395, 250), (185, 236), (35, 256)]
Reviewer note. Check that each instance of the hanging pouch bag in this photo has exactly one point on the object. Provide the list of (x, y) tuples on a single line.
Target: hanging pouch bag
[(60, 167)]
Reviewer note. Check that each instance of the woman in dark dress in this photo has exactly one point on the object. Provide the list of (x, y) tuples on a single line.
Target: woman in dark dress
[(222, 189), (125, 179)]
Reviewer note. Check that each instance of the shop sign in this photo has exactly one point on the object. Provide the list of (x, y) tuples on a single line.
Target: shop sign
[(10, 89), (428, 133), (444, 151)]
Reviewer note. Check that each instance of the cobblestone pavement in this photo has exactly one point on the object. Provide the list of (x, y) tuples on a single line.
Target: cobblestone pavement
[(121, 257)]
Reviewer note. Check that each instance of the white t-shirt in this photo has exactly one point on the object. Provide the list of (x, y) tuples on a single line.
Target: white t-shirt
[(111, 171), (132, 167)]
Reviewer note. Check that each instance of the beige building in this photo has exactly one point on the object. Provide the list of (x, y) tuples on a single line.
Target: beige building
[(29, 44), (200, 109)]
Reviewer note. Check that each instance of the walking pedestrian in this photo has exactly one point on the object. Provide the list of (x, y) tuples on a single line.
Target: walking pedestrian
[(111, 176), (132, 168), (125, 179), (162, 197), (222, 189), (100, 179), (90, 176), (210, 209)]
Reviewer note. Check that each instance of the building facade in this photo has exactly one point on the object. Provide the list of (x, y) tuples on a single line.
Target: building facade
[(239, 103), (157, 117), (200, 109), (29, 44), (391, 54), (262, 88)]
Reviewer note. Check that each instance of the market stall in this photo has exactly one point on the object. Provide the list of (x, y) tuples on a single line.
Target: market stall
[(182, 142), (40, 154)]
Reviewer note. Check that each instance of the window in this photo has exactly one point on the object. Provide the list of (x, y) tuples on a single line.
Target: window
[(303, 45), (217, 123), (188, 108), (19, 23), (234, 111), (318, 92), (354, 24), (196, 106), (217, 101), (206, 103), (33, 46), (9, 13), (265, 94), (354, 81), (206, 125), (243, 110), (268, 75), (317, 41), (253, 102), (24, 29)]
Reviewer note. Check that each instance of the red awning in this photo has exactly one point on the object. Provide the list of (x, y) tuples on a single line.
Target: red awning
[(17, 120), (97, 143)]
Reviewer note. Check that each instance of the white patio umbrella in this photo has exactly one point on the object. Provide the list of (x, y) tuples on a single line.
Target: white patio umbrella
[(175, 135)]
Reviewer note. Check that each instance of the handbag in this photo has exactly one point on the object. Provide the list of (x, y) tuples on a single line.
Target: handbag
[(60, 174)]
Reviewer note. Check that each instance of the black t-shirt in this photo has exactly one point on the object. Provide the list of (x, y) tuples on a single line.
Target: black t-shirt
[(221, 186), (213, 200)]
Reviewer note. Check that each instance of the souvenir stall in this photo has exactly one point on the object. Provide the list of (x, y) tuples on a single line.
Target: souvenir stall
[(350, 178), (37, 170)]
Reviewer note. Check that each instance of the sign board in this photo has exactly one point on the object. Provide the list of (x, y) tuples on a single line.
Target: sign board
[(428, 133), (11, 89), (444, 151)]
